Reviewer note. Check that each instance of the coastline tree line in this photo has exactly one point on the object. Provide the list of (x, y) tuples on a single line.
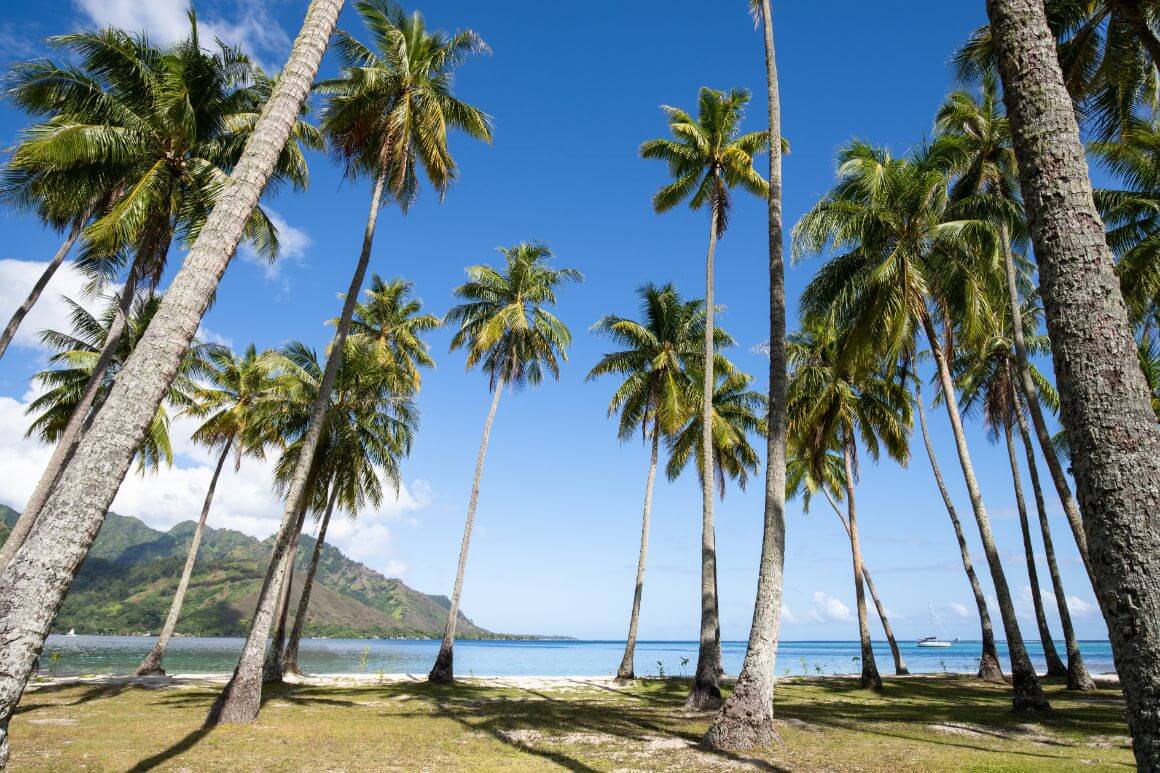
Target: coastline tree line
[(950, 267)]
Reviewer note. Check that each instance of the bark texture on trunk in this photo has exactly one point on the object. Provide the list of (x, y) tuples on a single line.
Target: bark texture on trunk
[(241, 699), (444, 669), (1028, 692), (1031, 395), (899, 663), (78, 423), (33, 585), (745, 721), (41, 282), (706, 694), (290, 659), (1055, 666), (989, 667), (1077, 673), (1103, 395), (152, 664), (626, 663), (870, 677)]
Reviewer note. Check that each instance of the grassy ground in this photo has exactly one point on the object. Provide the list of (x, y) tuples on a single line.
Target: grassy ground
[(938, 723)]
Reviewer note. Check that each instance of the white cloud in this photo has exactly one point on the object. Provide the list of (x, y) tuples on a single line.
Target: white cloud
[(826, 608), (959, 609), (243, 501), (1078, 607), (50, 312), (787, 614), (253, 29)]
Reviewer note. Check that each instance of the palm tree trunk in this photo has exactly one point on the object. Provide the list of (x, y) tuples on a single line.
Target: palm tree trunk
[(1105, 401), (746, 719), (626, 663), (1028, 692), (989, 668), (78, 422), (444, 668), (1077, 674), (241, 699), (705, 693), (1030, 394), (290, 660), (870, 677), (272, 663), (33, 585), (45, 277), (151, 665), (1055, 666), (717, 626), (899, 663)]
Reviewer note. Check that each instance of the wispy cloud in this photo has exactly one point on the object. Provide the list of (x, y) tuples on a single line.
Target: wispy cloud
[(826, 608)]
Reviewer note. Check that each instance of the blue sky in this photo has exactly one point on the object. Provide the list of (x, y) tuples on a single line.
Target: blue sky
[(574, 89)]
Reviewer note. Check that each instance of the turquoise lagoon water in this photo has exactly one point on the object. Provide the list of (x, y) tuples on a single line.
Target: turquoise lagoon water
[(120, 655)]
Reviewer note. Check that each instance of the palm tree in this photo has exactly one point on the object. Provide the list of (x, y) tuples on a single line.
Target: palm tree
[(390, 319), (230, 404), (654, 357), (990, 669), (833, 400), (985, 373), (903, 250), (746, 718), (507, 330), (807, 477), (369, 427), (150, 133), (708, 156), (1104, 398), (1108, 52), (974, 144), (68, 524), (387, 114)]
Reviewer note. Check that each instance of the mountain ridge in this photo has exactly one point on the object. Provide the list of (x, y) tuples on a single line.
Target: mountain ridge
[(128, 580)]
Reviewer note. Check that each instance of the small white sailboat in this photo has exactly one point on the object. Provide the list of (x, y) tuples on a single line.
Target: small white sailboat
[(71, 632), (936, 640)]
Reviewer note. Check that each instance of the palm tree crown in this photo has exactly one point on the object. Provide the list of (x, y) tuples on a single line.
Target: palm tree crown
[(655, 358), (391, 108), (708, 155), (505, 325), (390, 318)]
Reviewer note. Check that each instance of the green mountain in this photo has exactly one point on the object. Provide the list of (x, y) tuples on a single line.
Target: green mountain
[(128, 580)]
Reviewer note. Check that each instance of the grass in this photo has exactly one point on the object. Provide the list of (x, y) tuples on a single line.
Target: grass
[(937, 723)]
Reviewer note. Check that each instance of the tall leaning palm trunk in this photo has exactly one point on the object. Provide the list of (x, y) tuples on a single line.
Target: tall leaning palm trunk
[(990, 669), (33, 585), (78, 421), (899, 663), (626, 663), (1077, 673), (745, 720), (1028, 692), (443, 670), (41, 282), (870, 678), (706, 694), (273, 665), (241, 699), (1055, 666), (289, 663), (1104, 398), (1030, 394), (152, 664)]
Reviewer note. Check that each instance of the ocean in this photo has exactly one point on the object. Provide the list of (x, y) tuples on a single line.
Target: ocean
[(81, 654)]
